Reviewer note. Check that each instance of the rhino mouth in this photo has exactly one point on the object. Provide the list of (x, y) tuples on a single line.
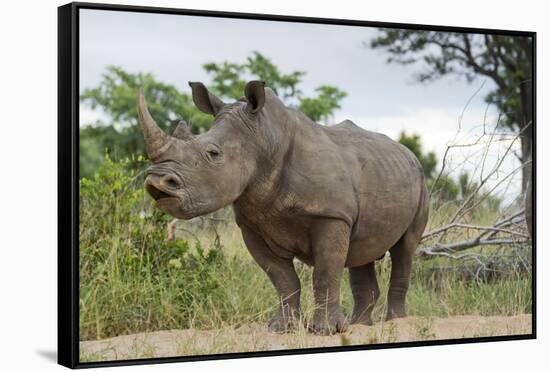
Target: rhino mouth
[(158, 194), (168, 203)]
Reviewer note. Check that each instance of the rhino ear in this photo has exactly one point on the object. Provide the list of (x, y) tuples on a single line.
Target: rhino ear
[(204, 100), (182, 131), (254, 92)]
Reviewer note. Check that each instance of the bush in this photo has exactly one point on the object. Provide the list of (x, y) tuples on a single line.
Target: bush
[(126, 264)]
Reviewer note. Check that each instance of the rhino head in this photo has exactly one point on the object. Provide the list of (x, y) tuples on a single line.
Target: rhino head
[(192, 175)]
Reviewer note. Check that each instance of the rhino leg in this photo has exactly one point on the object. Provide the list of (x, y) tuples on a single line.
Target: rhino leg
[(282, 274), (402, 254), (330, 244), (401, 261), (364, 288)]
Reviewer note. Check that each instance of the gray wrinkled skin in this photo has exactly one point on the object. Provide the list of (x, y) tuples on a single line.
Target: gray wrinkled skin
[(332, 197)]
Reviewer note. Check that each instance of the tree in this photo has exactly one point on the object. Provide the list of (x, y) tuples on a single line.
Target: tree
[(120, 136), (116, 95), (506, 60), (322, 107), (443, 187), (229, 80), (428, 160)]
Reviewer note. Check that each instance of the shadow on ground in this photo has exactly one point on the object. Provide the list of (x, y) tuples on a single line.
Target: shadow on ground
[(50, 355)]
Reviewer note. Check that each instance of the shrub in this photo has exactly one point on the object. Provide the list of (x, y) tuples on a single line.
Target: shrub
[(127, 268)]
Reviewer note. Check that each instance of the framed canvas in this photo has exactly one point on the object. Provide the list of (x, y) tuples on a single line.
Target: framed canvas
[(243, 185)]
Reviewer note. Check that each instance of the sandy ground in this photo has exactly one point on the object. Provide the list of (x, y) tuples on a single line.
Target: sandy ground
[(255, 337)]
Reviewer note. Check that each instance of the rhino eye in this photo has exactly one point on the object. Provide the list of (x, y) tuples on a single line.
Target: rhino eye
[(213, 153)]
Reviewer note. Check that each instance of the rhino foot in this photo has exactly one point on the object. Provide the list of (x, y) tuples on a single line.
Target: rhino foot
[(284, 322), (395, 314), (361, 319), (329, 323)]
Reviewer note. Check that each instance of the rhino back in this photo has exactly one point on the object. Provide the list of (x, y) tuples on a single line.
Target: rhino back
[(341, 172), (387, 183)]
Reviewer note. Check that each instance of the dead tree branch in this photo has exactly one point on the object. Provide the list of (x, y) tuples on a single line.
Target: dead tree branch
[(487, 236), (471, 226), (450, 248)]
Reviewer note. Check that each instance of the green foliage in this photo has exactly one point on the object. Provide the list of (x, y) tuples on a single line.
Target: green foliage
[(449, 295), (229, 80), (92, 141), (116, 93), (444, 188), (428, 160), (121, 137), (116, 96), (321, 107), (124, 255), (226, 81), (506, 60)]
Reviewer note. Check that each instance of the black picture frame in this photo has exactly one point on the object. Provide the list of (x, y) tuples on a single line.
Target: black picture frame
[(68, 184)]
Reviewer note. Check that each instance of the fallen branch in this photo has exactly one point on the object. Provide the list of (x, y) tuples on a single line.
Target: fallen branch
[(431, 234), (485, 237), (446, 249), (482, 267), (509, 220)]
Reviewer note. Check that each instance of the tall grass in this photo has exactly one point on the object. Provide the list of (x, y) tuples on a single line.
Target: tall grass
[(133, 280)]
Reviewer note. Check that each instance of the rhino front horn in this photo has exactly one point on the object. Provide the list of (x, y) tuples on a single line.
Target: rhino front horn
[(156, 140)]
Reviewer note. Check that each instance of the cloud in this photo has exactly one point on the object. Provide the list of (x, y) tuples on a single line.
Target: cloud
[(381, 97), (90, 116)]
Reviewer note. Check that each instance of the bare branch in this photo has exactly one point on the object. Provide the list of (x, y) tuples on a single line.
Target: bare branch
[(509, 220), (461, 210), (431, 234), (476, 67), (463, 245)]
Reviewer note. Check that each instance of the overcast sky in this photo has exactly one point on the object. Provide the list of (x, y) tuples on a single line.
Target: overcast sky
[(381, 97)]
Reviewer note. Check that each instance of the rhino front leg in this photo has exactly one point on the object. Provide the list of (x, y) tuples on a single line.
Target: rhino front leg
[(282, 274), (330, 244)]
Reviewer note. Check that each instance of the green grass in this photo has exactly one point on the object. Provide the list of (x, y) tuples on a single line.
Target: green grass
[(133, 280)]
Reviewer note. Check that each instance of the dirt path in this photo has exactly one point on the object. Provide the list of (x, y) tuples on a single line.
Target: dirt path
[(255, 337)]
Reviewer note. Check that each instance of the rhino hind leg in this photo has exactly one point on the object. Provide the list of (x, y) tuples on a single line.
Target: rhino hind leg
[(402, 254), (401, 261), (364, 287)]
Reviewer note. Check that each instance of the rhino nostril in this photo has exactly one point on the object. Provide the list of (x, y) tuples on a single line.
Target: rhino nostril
[(171, 181)]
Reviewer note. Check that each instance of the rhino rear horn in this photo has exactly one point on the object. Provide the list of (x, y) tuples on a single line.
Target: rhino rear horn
[(156, 140), (182, 131)]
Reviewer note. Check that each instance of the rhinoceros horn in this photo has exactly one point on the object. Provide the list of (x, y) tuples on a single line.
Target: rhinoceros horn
[(156, 140)]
